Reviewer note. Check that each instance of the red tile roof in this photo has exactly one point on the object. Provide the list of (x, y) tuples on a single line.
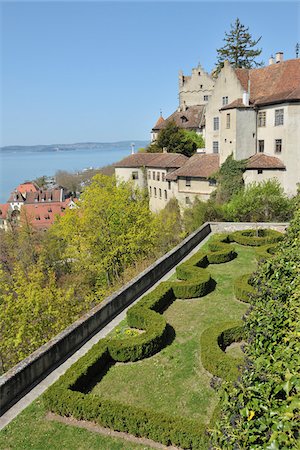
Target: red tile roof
[(263, 161), (191, 118), (28, 186), (136, 160), (160, 121), (198, 166), (272, 84), (238, 103), (41, 216), (4, 210)]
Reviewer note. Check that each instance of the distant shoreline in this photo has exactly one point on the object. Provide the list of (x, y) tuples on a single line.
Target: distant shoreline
[(76, 146)]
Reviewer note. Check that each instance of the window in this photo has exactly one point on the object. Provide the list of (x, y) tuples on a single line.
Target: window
[(215, 147), (159, 193), (212, 182), (163, 176), (150, 191), (155, 192), (158, 176), (153, 175), (135, 175), (188, 181), (169, 184), (259, 171), (278, 145), (187, 200), (224, 100), (227, 120), (166, 195), (261, 146), (205, 98), (149, 174), (278, 117), (216, 123), (201, 86), (261, 122)]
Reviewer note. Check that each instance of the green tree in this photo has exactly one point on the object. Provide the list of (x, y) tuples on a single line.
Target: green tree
[(264, 202), (229, 178), (199, 213), (175, 140), (239, 48), (169, 224)]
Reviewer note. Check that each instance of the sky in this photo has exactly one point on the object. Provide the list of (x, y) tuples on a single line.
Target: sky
[(99, 71)]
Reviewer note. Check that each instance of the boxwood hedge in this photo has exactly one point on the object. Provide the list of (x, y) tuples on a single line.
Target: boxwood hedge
[(257, 237)]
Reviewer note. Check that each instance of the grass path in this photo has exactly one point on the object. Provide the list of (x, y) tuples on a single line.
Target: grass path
[(173, 380)]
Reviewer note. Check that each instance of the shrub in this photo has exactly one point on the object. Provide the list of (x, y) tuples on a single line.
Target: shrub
[(257, 237), (213, 342), (243, 289)]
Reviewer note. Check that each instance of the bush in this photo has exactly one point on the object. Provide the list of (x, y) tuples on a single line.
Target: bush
[(242, 289), (265, 251), (257, 237), (213, 342)]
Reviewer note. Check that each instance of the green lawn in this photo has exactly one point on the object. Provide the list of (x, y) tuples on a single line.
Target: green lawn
[(172, 380)]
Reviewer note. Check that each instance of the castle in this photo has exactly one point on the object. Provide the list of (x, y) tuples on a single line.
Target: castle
[(253, 114)]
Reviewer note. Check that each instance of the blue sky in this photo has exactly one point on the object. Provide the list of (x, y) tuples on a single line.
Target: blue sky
[(100, 71)]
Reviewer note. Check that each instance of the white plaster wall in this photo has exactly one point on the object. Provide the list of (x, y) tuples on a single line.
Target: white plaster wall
[(125, 174), (289, 132), (156, 203), (190, 91), (245, 133), (252, 176), (226, 85)]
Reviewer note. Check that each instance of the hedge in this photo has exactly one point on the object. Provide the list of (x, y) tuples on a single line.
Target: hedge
[(213, 342), (257, 237), (67, 396), (265, 251), (242, 289)]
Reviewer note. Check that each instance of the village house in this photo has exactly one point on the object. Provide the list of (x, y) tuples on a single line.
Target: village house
[(39, 207)]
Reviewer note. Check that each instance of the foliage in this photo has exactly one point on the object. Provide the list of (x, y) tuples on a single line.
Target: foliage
[(261, 410), (243, 290), (169, 222), (41, 181), (175, 140), (199, 213), (260, 202), (229, 180), (195, 137), (257, 237), (213, 343), (239, 48)]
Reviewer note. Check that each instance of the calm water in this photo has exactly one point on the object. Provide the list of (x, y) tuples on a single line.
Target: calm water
[(24, 165)]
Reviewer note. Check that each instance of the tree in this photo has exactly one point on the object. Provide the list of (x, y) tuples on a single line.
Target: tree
[(239, 48), (201, 212), (264, 202), (230, 179), (175, 140)]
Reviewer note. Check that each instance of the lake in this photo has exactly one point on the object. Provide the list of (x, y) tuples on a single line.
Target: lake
[(17, 166)]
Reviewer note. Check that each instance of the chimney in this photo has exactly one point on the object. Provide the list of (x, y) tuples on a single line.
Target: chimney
[(246, 98), (279, 57), (271, 60)]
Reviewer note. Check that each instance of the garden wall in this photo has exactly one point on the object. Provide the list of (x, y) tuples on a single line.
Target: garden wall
[(24, 376)]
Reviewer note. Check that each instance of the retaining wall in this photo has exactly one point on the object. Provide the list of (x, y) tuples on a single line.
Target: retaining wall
[(24, 376)]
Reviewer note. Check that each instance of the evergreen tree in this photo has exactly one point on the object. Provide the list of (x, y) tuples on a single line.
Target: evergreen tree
[(239, 48)]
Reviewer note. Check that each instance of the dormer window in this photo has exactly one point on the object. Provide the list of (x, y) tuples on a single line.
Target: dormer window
[(183, 119)]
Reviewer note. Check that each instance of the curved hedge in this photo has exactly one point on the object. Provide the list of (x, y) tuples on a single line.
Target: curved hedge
[(242, 289), (213, 342), (265, 251), (257, 237)]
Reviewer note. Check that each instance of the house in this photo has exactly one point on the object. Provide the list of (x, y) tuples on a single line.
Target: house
[(192, 180), (170, 175), (258, 111)]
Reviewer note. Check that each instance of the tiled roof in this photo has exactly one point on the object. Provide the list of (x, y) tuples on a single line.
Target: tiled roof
[(199, 165), (136, 160), (42, 215), (263, 161), (168, 160), (160, 121), (16, 196), (28, 186), (191, 118), (152, 160), (53, 195), (238, 103), (273, 83), (4, 210)]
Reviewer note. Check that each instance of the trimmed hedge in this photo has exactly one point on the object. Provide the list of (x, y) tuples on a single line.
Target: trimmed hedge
[(257, 237), (67, 397), (213, 342), (266, 251), (242, 289)]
